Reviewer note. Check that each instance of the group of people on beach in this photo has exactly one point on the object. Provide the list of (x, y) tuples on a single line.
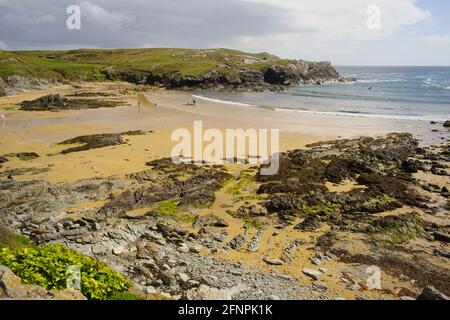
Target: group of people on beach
[(191, 103)]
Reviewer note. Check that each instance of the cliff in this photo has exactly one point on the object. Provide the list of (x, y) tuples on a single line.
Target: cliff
[(171, 68)]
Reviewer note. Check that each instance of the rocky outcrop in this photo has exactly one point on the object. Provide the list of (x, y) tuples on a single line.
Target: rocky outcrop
[(56, 102), (14, 83), (277, 75)]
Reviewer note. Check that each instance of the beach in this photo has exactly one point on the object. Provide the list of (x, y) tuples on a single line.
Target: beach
[(40, 131), (157, 113)]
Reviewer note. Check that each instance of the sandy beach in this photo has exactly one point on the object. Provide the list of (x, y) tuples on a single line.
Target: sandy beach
[(41, 131)]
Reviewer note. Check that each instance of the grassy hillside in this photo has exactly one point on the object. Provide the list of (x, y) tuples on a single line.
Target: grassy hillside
[(91, 65)]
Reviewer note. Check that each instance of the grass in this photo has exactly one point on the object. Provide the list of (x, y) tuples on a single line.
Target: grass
[(9, 239), (101, 64)]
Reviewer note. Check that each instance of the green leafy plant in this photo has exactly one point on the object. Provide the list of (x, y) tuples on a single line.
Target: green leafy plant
[(47, 267)]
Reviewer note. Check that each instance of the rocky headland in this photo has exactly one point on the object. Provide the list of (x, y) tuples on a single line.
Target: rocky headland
[(220, 69)]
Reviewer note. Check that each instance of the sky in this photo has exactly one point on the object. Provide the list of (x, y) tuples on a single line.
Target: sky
[(345, 32)]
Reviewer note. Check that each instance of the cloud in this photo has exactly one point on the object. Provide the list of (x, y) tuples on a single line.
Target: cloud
[(437, 39), (3, 46), (314, 29)]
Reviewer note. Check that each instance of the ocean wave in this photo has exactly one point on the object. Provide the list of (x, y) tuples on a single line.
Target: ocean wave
[(223, 101), (368, 115), (378, 80)]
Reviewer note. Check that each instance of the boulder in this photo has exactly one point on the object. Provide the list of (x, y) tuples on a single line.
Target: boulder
[(447, 124)]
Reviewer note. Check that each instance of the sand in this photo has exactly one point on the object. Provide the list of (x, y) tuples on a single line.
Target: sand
[(41, 131)]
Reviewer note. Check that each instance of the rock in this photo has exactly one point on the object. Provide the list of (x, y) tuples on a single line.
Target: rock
[(311, 223), (183, 248), (167, 278), (442, 252), (183, 277), (273, 297), (319, 286), (430, 293), (118, 251), (441, 236), (353, 286), (195, 248), (323, 270), (68, 294), (313, 274), (447, 124), (273, 262), (406, 298), (210, 220), (205, 292)]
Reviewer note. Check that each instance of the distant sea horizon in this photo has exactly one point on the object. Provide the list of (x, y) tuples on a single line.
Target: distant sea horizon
[(393, 92)]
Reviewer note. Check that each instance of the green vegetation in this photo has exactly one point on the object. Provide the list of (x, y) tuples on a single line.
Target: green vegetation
[(187, 219), (394, 230), (243, 184), (47, 267), (166, 208), (99, 64), (9, 239)]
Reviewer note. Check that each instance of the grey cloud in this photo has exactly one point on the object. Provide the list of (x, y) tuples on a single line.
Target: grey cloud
[(28, 24)]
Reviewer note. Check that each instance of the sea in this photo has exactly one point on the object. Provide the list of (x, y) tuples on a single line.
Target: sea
[(410, 93)]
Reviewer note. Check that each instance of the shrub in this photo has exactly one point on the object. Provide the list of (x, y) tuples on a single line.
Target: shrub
[(47, 267)]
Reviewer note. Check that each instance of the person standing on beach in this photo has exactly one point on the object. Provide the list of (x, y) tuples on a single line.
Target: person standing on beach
[(2, 119)]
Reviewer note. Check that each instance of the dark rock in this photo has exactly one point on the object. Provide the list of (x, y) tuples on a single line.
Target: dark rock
[(447, 124), (55, 102), (210, 220), (441, 236), (96, 141), (430, 293), (311, 223)]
